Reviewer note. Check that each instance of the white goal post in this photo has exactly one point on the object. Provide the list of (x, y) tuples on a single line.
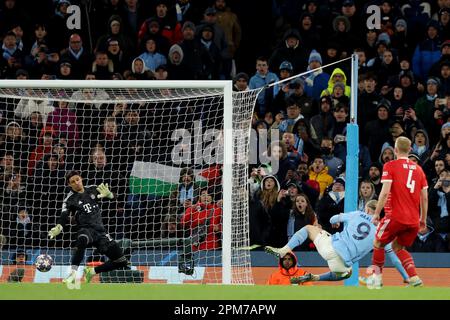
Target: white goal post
[(229, 124)]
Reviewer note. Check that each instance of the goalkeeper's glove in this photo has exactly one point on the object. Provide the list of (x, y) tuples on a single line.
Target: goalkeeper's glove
[(104, 191), (55, 231)]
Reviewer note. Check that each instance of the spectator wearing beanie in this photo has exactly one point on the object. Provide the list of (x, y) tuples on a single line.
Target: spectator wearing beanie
[(338, 95), (212, 63), (285, 71), (321, 125), (316, 81), (402, 40), (193, 51), (220, 40), (425, 109), (332, 203), (374, 176), (240, 82)]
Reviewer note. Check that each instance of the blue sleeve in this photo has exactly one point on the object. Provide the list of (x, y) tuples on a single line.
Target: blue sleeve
[(276, 89), (395, 261), (252, 84), (416, 61), (343, 217), (338, 218)]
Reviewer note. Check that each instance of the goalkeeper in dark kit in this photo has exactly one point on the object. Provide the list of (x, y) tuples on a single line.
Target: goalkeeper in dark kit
[(82, 204)]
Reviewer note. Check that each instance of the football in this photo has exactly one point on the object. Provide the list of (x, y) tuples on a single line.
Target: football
[(43, 263)]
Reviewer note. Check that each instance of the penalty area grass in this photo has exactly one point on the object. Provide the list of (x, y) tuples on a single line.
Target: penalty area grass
[(58, 291)]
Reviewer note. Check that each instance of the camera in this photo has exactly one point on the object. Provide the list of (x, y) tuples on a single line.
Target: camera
[(446, 183), (442, 102)]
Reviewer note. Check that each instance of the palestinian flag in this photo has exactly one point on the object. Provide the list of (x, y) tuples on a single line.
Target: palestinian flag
[(158, 179)]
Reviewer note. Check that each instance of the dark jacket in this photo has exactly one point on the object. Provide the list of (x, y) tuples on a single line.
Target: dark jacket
[(297, 56)]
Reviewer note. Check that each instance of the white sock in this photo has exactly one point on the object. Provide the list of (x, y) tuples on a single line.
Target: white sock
[(284, 250)]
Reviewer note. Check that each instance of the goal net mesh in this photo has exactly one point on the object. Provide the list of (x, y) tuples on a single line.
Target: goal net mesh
[(161, 153)]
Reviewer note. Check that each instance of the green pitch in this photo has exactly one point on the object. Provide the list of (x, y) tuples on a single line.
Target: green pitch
[(25, 291)]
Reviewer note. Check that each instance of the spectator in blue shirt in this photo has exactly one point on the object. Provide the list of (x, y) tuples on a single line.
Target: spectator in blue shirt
[(262, 78)]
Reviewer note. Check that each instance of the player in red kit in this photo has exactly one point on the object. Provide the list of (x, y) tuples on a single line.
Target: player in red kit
[(404, 197)]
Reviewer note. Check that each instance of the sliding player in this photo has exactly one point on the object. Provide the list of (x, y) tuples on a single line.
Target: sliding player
[(340, 250)]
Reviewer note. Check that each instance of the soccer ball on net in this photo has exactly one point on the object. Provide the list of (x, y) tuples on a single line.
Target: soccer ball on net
[(43, 263)]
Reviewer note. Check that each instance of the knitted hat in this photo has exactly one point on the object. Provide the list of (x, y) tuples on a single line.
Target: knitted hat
[(210, 10), (433, 24), (434, 80), (188, 24), (326, 99), (376, 165), (22, 72), (340, 180), (401, 23), (384, 103), (207, 27), (114, 20), (414, 155), (315, 56), (286, 65), (241, 75), (405, 73), (384, 37), (445, 125), (339, 85)]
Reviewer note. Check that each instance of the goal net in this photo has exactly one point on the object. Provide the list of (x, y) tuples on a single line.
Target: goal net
[(173, 153)]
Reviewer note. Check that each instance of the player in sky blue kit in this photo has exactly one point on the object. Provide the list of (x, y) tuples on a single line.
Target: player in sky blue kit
[(341, 250)]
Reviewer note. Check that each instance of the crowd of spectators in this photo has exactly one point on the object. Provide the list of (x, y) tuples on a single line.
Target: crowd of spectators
[(403, 90)]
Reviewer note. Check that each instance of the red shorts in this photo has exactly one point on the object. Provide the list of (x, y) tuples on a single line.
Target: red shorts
[(389, 229)]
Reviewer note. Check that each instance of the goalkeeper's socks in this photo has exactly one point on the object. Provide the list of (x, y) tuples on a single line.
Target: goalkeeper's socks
[(298, 238)]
